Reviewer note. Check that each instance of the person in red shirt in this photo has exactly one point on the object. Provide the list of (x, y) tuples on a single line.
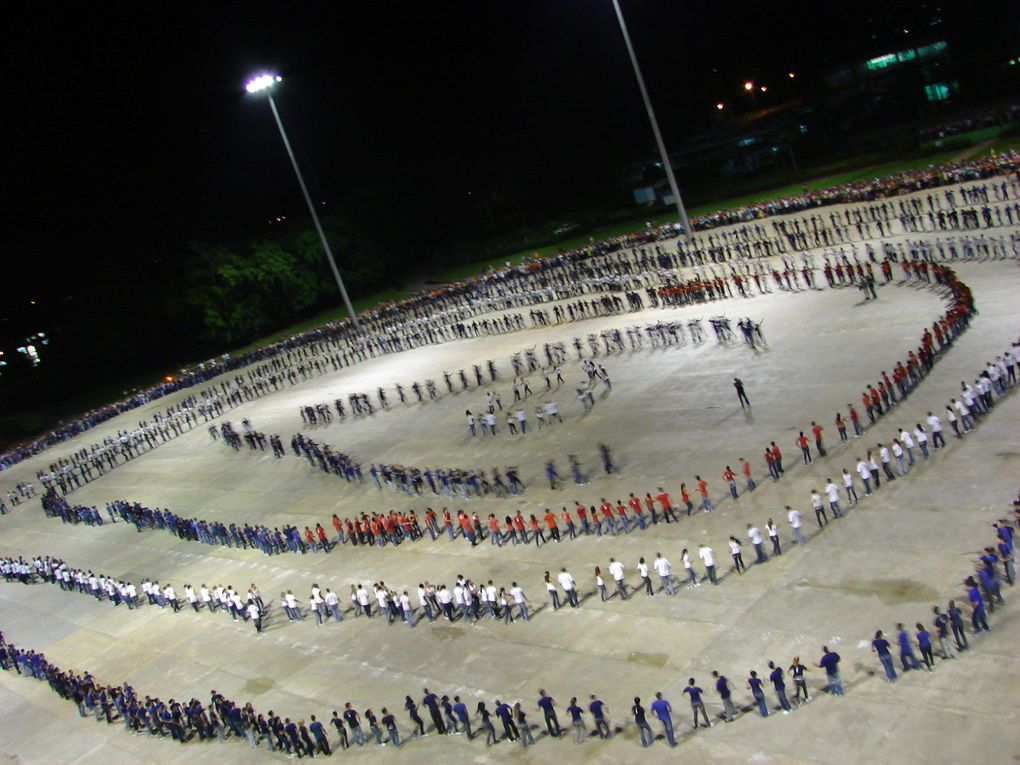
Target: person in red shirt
[(816, 431), (565, 514), (666, 503), (778, 457), (607, 516), (855, 420), (622, 512), (466, 530), (554, 529), (841, 428), (770, 461), (731, 481), (310, 539), (685, 497), (706, 503), (650, 506), (536, 531), (802, 442), (448, 523), (495, 537), (352, 532), (511, 530), (321, 534), (868, 406), (522, 532), (635, 506), (582, 514), (745, 467), (339, 526)]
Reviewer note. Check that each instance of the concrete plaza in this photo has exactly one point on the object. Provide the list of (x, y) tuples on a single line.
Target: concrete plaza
[(671, 414)]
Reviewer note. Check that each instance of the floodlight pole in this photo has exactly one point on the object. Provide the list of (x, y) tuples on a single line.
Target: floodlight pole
[(688, 234), (315, 217)]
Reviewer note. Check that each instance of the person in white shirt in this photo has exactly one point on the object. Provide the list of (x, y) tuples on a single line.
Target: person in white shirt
[(954, 421), (189, 593), (793, 516), (898, 455), (937, 439), (832, 492), (616, 569), (908, 444), (819, 508), (865, 473), (364, 601), (848, 485), (255, 615), (406, 610), (333, 605), (646, 580), (707, 555), (205, 597), (773, 531), (886, 458), (922, 439), (737, 555), (663, 568), (757, 540), (520, 600), (171, 597), (873, 469)]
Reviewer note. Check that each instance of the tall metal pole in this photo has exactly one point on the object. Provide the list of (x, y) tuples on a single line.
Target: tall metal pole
[(688, 234), (315, 217)]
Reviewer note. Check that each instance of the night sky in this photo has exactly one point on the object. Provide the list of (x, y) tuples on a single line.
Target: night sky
[(129, 132)]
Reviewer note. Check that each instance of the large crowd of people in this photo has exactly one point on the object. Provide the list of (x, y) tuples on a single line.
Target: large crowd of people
[(470, 600), (436, 315)]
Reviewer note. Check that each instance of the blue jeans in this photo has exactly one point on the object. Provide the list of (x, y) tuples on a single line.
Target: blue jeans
[(763, 708), (887, 664), (835, 684), (667, 725), (647, 737)]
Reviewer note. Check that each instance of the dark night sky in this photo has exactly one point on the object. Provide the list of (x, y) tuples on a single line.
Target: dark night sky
[(129, 132)]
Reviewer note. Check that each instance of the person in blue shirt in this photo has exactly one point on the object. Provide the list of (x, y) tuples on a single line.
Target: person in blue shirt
[(320, 736), (881, 646), (577, 721), (598, 710), (662, 710), (644, 730), (776, 677), (694, 692), (830, 663), (754, 683), (548, 707), (977, 604), (486, 724), (1008, 566), (957, 623), (722, 687), (907, 657), (990, 579), (924, 645), (461, 711), (431, 701), (505, 715)]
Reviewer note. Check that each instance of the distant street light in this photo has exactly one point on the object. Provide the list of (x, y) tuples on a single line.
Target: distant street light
[(667, 166), (763, 88), (720, 105), (749, 86), (791, 75), (264, 84)]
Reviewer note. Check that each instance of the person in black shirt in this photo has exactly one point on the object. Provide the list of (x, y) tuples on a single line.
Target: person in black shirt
[(644, 729)]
